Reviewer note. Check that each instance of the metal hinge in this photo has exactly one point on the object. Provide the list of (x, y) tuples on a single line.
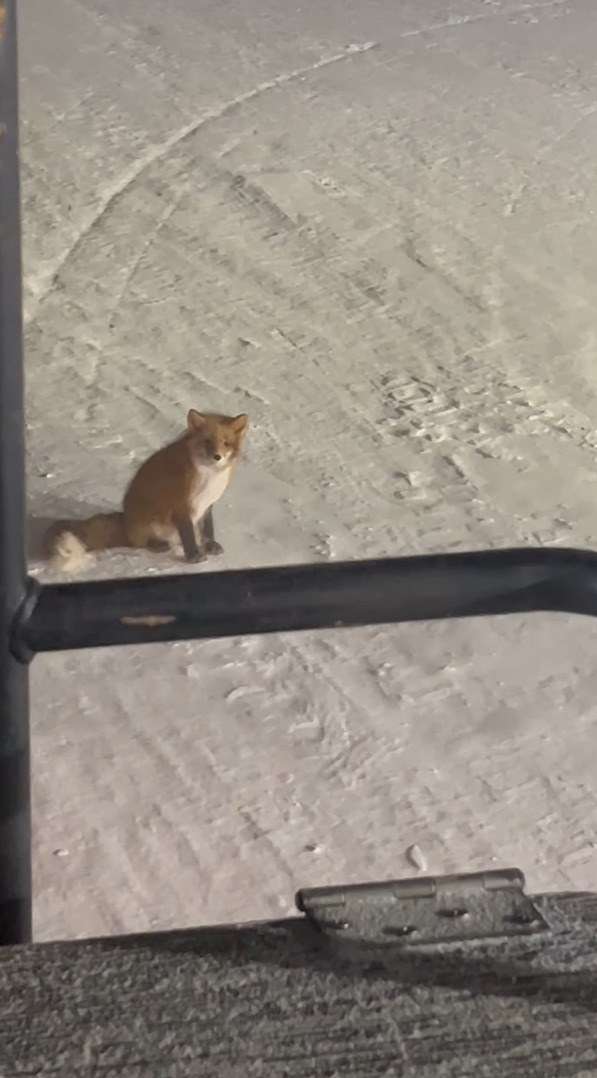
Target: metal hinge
[(428, 909)]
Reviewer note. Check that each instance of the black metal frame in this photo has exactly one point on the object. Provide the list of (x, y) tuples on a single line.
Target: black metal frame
[(104, 613), (15, 829)]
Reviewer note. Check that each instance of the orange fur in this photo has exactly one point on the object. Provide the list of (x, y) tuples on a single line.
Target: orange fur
[(181, 480)]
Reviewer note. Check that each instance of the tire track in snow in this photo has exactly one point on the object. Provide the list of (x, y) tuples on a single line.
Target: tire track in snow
[(44, 284)]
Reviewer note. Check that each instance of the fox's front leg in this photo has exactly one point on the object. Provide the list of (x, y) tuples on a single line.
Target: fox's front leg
[(192, 551), (209, 542)]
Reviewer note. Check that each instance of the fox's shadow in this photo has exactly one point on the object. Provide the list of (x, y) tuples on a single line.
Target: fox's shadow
[(45, 511)]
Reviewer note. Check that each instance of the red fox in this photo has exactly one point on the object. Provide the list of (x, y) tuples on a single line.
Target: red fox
[(169, 500)]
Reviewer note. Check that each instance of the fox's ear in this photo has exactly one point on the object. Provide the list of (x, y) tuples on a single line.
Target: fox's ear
[(195, 421), (240, 423)]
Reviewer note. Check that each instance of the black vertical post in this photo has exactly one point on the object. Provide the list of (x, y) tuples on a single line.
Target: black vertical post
[(15, 827)]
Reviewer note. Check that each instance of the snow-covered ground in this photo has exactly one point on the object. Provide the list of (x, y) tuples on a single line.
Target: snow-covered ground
[(372, 226)]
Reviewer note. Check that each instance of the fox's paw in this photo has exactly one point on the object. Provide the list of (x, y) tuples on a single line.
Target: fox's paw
[(158, 546), (214, 548), (194, 559)]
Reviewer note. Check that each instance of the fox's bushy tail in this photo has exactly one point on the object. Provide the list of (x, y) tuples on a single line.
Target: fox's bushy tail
[(67, 542)]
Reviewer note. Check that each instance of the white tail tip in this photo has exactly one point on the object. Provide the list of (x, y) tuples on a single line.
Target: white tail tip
[(69, 553)]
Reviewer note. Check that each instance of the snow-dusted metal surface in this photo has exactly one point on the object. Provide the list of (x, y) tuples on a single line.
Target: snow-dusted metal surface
[(273, 1000)]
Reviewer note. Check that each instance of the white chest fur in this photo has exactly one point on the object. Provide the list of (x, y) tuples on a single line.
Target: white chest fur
[(209, 486)]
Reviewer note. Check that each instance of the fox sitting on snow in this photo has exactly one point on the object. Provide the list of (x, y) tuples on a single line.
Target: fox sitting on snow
[(168, 502)]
